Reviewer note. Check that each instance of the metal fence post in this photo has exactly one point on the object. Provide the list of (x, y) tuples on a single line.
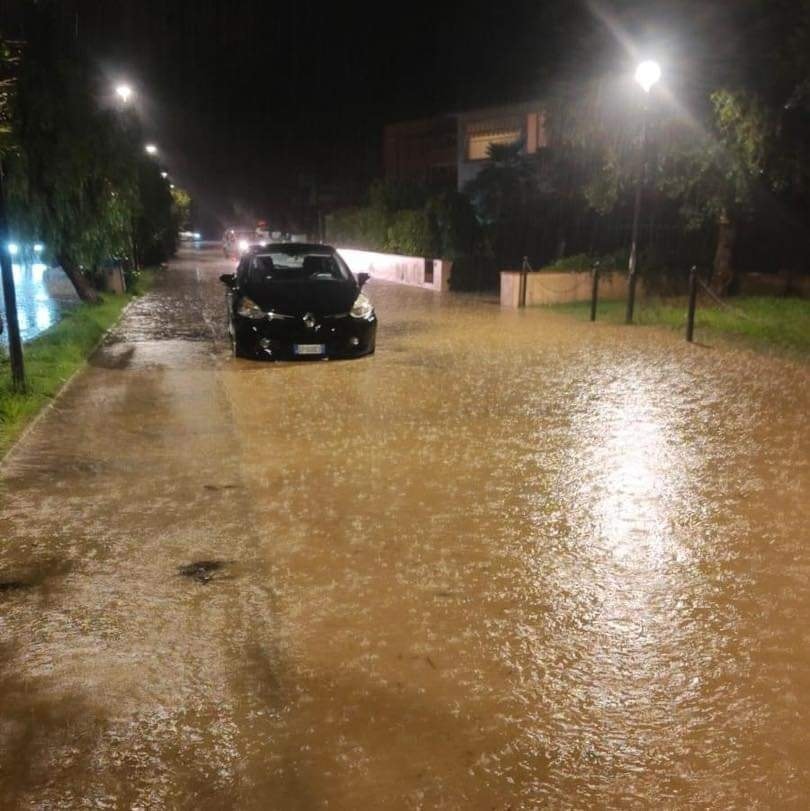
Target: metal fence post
[(594, 289), (524, 282), (690, 315)]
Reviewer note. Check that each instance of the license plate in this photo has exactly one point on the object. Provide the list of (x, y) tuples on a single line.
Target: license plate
[(309, 349)]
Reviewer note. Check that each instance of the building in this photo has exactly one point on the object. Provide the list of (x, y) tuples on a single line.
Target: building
[(477, 130), (450, 150), (421, 151)]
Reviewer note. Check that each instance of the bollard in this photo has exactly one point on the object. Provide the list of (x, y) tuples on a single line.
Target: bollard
[(594, 290), (524, 282), (690, 315)]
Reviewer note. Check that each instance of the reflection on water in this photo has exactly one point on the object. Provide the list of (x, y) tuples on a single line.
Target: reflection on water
[(43, 294)]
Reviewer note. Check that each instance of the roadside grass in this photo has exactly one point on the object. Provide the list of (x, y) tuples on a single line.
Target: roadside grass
[(765, 323), (52, 357)]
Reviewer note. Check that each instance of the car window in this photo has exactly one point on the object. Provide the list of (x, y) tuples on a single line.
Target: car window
[(283, 266)]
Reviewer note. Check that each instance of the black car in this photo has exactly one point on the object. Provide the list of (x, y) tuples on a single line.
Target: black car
[(291, 300)]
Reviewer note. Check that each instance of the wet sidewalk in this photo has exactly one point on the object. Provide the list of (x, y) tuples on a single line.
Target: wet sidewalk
[(511, 560)]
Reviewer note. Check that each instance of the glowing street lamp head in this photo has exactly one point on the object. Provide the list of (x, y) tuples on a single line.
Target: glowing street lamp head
[(13, 248), (124, 92), (164, 175), (151, 149), (647, 74)]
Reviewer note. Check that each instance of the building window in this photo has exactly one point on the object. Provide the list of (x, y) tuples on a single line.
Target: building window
[(483, 134), (478, 145)]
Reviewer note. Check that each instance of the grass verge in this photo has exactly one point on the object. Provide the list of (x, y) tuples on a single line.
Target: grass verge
[(780, 325), (52, 357)]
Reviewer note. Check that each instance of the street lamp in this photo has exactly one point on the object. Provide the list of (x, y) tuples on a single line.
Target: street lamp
[(151, 149), (164, 175), (124, 92), (648, 73)]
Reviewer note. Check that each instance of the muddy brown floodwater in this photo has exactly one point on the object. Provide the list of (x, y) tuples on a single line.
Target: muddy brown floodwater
[(512, 560)]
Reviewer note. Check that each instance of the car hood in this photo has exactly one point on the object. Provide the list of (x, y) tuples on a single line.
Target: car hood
[(320, 297)]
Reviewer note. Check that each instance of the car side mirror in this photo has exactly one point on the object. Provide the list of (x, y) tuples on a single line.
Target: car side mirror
[(362, 278), (227, 279)]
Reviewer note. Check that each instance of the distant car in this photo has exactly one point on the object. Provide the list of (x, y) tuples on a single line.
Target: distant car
[(236, 241), (291, 300), (190, 236)]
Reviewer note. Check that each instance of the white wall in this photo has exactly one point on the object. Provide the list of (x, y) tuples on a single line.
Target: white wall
[(395, 268)]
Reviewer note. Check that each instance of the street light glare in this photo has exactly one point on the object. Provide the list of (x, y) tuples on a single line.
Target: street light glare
[(164, 175), (123, 91), (151, 149), (647, 74)]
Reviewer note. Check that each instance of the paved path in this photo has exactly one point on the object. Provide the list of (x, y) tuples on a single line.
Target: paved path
[(511, 559)]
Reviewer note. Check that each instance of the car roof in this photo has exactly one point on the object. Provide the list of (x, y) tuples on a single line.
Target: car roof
[(293, 247)]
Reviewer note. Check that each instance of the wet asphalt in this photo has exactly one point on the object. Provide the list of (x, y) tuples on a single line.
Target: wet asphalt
[(510, 561)]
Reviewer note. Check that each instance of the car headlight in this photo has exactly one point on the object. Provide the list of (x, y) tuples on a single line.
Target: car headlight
[(249, 309), (243, 245), (362, 307)]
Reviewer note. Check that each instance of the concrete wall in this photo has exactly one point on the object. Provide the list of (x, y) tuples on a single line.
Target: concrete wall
[(559, 288), (401, 269)]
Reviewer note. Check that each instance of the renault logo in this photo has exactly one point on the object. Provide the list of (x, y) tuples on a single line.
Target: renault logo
[(309, 321)]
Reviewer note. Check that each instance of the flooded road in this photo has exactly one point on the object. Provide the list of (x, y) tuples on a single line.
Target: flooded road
[(510, 561)]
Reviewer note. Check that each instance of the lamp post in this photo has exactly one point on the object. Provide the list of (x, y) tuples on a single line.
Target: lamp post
[(647, 74)]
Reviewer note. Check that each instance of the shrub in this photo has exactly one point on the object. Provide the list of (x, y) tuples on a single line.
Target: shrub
[(409, 233)]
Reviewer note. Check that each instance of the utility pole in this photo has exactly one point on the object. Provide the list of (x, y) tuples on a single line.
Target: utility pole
[(10, 297)]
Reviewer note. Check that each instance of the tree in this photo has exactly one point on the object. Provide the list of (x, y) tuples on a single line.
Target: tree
[(159, 215), (711, 160), (506, 195), (72, 176), (79, 180), (715, 174)]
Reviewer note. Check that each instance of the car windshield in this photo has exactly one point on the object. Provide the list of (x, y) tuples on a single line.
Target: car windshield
[(276, 266)]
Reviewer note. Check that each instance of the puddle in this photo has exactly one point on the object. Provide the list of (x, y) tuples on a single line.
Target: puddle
[(203, 571), (109, 357), (33, 577), (13, 585)]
